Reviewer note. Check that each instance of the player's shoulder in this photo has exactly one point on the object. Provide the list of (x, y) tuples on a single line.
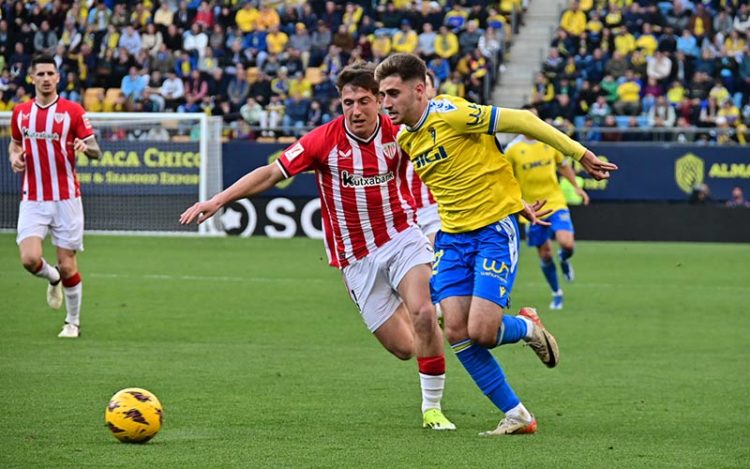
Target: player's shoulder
[(445, 103), (23, 107), (70, 106)]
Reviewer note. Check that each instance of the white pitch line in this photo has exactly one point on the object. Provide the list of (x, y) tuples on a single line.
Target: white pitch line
[(199, 278)]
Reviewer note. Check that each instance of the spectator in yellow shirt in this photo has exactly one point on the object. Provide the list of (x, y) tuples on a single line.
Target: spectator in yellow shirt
[(624, 41), (647, 41), (268, 18), (381, 46), (405, 40), (628, 96), (247, 18), (573, 21), (446, 43), (276, 40)]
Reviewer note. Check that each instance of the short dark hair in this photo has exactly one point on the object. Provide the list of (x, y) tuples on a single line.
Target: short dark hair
[(43, 59), (432, 77), (405, 66), (361, 75)]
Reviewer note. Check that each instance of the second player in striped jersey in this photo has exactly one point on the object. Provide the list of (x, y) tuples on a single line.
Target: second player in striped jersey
[(46, 134)]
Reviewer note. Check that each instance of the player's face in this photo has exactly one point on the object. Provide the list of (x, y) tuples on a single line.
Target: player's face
[(45, 78), (360, 110), (402, 100)]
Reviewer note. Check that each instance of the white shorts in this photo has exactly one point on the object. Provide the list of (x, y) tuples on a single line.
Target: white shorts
[(373, 280), (63, 218), (428, 219)]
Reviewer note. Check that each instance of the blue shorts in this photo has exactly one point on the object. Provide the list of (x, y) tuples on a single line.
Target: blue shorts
[(538, 235), (481, 263)]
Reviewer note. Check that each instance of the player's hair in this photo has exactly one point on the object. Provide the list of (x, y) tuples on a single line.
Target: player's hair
[(433, 80), (406, 66), (361, 75), (43, 59)]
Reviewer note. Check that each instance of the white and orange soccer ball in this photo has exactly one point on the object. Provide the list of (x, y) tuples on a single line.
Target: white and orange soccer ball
[(134, 415)]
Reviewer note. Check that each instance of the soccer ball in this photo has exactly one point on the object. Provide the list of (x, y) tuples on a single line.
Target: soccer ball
[(134, 415)]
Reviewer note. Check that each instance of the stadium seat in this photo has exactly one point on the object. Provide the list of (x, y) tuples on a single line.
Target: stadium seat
[(110, 98), (92, 100), (286, 139), (181, 139), (266, 140), (314, 75)]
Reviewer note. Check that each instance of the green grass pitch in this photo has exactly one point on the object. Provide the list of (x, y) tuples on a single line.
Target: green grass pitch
[(261, 360)]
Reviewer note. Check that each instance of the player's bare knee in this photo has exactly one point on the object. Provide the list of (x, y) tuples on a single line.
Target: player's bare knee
[(424, 319), (545, 253), (455, 333), (483, 334), (403, 352), (31, 262)]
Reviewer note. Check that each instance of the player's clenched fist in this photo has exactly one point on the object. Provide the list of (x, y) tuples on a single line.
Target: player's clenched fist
[(17, 162), (79, 146)]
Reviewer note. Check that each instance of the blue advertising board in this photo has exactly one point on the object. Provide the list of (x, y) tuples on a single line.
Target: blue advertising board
[(669, 172)]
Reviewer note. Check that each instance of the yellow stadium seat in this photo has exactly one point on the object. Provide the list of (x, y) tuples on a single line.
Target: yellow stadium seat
[(286, 139), (92, 99), (266, 140)]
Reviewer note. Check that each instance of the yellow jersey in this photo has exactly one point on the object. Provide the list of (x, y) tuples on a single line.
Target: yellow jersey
[(535, 167), (454, 152)]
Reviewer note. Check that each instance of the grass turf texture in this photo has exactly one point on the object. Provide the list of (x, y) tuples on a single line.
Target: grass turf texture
[(260, 359)]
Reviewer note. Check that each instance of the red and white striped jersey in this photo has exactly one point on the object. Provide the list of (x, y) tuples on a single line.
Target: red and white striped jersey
[(47, 134), (419, 191), (365, 197)]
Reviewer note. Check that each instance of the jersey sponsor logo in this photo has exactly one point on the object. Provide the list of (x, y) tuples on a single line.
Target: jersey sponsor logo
[(345, 154), (357, 180), (390, 150), (294, 151), (442, 106), (40, 135), (535, 164), (430, 157)]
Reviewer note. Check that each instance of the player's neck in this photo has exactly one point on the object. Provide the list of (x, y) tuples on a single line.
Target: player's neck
[(45, 100), (419, 114)]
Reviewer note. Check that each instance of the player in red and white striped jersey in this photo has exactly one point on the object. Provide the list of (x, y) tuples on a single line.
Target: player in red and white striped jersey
[(369, 224), (47, 132)]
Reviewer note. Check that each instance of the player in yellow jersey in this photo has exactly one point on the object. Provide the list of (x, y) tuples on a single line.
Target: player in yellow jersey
[(451, 143), (535, 165)]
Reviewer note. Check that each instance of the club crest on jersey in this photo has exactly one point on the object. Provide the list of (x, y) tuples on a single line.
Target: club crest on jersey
[(390, 150), (59, 116)]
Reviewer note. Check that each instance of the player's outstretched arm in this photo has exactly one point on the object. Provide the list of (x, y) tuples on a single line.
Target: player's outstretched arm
[(526, 123), (17, 161), (568, 173), (252, 183)]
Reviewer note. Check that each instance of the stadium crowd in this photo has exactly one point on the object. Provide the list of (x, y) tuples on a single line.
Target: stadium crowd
[(267, 67), (661, 70)]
